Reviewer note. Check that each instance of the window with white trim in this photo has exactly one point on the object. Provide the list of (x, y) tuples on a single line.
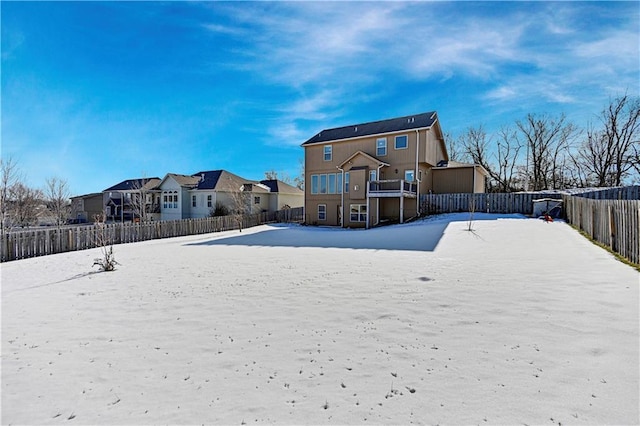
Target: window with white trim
[(328, 152), (322, 212), (332, 183), (346, 182), (381, 147), (402, 142), (209, 201), (358, 212), (409, 175), (323, 184), (372, 175), (256, 200)]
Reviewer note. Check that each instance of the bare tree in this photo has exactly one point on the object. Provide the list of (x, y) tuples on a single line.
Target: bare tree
[(240, 203), (57, 196), (25, 204), (140, 199), (621, 133), (507, 156), (594, 159), (547, 140), (476, 148), (299, 180), (9, 176), (454, 150), (107, 262)]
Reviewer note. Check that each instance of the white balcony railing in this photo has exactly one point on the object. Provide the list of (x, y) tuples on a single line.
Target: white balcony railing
[(392, 188)]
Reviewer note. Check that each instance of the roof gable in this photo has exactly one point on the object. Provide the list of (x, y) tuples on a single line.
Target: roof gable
[(366, 156), (410, 122)]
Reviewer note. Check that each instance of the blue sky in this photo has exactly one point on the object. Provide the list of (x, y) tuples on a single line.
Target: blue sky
[(99, 92)]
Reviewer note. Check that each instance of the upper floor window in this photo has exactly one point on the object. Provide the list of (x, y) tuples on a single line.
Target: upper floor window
[(209, 201), (381, 147), (409, 175), (346, 182), (327, 153), (402, 142), (256, 200), (314, 184), (193, 201), (372, 175)]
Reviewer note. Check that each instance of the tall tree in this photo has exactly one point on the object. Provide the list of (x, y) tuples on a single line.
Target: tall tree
[(507, 156), (9, 176), (547, 140), (57, 196), (621, 121), (25, 204), (594, 159)]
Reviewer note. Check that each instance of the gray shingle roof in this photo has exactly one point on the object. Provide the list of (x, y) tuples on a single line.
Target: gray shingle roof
[(280, 186), (220, 180), (409, 122), (133, 184)]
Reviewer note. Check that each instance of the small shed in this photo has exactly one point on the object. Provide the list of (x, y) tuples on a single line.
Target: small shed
[(550, 206)]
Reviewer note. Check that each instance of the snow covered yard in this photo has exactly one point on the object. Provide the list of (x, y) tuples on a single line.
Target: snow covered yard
[(518, 322)]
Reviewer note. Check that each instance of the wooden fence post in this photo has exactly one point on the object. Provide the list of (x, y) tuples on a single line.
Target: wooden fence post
[(612, 229)]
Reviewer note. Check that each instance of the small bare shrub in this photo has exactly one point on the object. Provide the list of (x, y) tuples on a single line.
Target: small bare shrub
[(108, 261)]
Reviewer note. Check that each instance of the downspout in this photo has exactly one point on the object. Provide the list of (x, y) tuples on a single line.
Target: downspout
[(417, 173), (341, 198)]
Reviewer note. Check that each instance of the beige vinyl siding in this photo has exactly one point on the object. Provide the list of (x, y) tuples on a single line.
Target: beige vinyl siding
[(454, 180)]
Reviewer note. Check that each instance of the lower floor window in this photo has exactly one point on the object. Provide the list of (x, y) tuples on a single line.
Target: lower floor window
[(358, 213), (322, 212)]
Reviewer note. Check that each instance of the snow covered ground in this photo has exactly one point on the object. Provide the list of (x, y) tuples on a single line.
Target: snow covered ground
[(520, 321)]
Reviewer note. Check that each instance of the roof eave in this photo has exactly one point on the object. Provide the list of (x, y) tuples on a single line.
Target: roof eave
[(306, 144)]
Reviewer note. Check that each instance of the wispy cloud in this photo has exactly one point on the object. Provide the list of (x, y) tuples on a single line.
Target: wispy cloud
[(330, 57)]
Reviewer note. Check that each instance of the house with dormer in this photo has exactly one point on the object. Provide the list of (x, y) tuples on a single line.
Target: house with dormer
[(197, 195), (366, 174)]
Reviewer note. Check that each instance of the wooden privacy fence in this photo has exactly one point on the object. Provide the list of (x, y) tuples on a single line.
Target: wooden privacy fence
[(23, 244), (514, 202), (615, 223)]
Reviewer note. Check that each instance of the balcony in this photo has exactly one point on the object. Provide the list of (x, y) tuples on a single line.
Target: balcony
[(394, 188)]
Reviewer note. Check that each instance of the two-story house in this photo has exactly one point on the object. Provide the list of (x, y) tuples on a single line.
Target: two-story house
[(365, 174), (132, 199)]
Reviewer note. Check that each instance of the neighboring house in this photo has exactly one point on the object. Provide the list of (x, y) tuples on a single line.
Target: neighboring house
[(196, 196), (282, 195), (84, 208), (133, 199), (174, 196), (366, 174)]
